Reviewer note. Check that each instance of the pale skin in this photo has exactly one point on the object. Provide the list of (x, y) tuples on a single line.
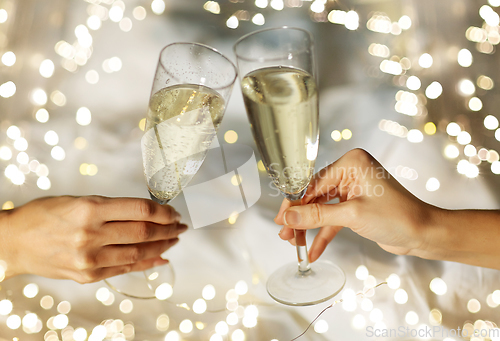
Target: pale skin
[(86, 239), (374, 205)]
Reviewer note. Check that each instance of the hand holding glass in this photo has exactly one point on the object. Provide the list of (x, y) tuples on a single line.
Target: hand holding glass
[(191, 88), (279, 89)]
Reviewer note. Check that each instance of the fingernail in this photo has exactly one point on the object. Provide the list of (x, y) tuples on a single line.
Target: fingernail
[(292, 217), (182, 227), (281, 231)]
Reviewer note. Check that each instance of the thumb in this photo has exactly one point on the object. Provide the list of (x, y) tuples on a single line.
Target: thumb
[(316, 215)]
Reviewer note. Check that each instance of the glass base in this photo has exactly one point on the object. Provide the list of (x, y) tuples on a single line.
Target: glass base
[(159, 201), (323, 281), (142, 284), (295, 196)]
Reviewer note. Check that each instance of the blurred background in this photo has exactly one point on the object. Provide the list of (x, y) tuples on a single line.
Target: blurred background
[(412, 81)]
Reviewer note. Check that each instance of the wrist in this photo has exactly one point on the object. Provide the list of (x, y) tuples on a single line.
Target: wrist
[(8, 249), (435, 238)]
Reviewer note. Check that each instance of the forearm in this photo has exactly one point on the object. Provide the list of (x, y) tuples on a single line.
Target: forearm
[(464, 236)]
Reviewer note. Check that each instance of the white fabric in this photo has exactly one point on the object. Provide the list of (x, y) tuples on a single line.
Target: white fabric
[(222, 254)]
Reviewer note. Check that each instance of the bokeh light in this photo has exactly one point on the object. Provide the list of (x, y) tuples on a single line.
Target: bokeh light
[(3, 15), (164, 291), (362, 272), (30, 290), (451, 151), (473, 306), (186, 326), (241, 287), (413, 83), (58, 153), (6, 307), (415, 136), (83, 116), (5, 153), (430, 128), (9, 58), (466, 87), (464, 138), (238, 335), (232, 22), (485, 82), (139, 13), (8, 89), (208, 292), (158, 7), (200, 306), (438, 286), (231, 136), (425, 61), (321, 326), (393, 281), (51, 138), (464, 58), (475, 104), (13, 322), (401, 296), (453, 129), (411, 318), (491, 122), (434, 90), (47, 68), (42, 115)]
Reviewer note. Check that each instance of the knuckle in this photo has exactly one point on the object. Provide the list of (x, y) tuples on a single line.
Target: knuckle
[(354, 211), (317, 213), (88, 276), (143, 232), (82, 239), (146, 208), (79, 278), (358, 153), (135, 253), (361, 156), (124, 269), (85, 262), (86, 209)]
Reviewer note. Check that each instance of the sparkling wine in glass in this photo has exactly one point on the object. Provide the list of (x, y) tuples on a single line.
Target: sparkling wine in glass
[(190, 92), (277, 71)]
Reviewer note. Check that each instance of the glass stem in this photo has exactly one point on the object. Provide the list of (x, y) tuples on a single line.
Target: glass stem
[(300, 242)]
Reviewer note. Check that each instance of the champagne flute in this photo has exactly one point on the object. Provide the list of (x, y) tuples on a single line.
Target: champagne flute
[(277, 71), (190, 92)]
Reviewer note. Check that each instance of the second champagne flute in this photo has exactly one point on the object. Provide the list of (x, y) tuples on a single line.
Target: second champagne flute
[(277, 71)]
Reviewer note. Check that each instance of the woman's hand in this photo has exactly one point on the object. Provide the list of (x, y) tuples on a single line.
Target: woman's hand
[(372, 204), (86, 239)]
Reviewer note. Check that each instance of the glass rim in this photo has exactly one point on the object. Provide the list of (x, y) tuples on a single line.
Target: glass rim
[(235, 69), (238, 56)]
